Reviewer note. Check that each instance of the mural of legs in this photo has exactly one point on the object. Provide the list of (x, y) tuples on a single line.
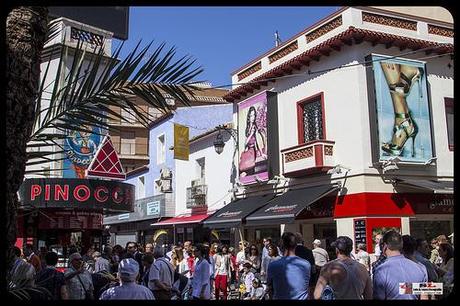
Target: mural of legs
[(400, 79)]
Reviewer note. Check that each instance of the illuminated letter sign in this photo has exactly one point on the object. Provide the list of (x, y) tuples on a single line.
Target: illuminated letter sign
[(88, 194)]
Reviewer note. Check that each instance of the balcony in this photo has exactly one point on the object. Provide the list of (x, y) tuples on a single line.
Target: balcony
[(308, 158), (196, 196)]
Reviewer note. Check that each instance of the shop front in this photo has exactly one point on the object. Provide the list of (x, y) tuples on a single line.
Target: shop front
[(184, 228), (136, 226), (62, 214), (419, 214), (296, 210)]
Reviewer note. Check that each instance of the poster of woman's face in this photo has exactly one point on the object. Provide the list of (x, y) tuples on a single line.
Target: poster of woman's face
[(252, 139), (403, 114)]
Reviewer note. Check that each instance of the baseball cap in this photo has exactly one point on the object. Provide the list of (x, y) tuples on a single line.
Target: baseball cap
[(74, 256), (344, 244), (128, 269), (317, 241)]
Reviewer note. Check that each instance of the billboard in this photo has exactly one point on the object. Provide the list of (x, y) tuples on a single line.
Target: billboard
[(252, 139), (402, 107), (80, 148)]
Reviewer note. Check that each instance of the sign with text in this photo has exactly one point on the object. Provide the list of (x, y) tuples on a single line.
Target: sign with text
[(360, 231), (153, 208), (85, 194), (181, 145)]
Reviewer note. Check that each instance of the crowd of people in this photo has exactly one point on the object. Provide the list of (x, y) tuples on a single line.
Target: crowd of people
[(288, 270)]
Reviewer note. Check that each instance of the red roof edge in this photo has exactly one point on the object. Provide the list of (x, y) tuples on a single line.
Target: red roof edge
[(349, 36)]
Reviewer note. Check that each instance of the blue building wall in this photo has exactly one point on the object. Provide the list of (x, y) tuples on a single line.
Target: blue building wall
[(199, 119)]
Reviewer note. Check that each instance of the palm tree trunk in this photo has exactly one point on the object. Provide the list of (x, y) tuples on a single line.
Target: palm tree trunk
[(26, 29)]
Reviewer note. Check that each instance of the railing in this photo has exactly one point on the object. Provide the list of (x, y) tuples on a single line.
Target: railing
[(131, 149), (312, 157), (196, 196)]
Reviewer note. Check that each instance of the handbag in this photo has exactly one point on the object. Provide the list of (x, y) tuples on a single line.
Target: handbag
[(247, 160)]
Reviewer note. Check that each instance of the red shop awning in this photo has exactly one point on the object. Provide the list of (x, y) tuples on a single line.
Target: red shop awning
[(182, 220)]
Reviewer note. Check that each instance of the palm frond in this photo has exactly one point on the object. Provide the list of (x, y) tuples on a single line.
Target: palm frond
[(85, 96)]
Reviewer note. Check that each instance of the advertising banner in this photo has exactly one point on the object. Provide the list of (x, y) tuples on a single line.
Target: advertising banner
[(85, 194), (252, 139), (80, 148), (181, 145), (403, 113)]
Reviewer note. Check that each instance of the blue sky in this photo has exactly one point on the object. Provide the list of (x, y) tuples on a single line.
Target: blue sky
[(221, 39)]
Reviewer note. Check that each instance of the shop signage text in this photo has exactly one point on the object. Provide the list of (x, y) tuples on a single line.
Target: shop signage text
[(88, 194), (153, 208), (281, 209), (229, 214)]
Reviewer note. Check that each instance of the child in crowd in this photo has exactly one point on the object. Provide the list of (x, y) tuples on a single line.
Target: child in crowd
[(246, 280), (257, 291)]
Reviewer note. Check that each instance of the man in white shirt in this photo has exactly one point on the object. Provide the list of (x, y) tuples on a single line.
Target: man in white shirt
[(321, 256), (161, 275)]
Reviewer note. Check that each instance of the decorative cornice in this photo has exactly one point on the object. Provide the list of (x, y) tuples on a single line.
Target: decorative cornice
[(348, 37), (331, 25), (283, 52), (437, 30), (299, 154), (249, 71), (390, 21)]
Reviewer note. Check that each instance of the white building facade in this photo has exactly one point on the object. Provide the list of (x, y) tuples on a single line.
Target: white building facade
[(338, 121)]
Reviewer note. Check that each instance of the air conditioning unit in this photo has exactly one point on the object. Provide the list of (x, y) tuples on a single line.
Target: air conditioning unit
[(165, 173), (197, 182), (199, 191)]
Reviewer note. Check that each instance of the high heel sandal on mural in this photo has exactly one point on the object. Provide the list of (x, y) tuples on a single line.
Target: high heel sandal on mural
[(401, 133), (405, 84)]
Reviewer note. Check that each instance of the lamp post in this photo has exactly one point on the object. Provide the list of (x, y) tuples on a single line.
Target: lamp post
[(219, 143)]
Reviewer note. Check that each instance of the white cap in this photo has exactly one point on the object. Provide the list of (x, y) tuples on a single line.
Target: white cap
[(317, 242)]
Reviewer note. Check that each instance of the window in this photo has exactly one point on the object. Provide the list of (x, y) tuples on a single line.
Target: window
[(128, 143), (141, 187), (161, 149), (449, 103), (130, 116), (310, 119), (200, 168)]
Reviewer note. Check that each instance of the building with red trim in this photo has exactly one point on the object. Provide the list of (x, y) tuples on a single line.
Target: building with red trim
[(362, 102)]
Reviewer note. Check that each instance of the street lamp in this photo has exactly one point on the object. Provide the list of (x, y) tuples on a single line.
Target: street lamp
[(219, 143)]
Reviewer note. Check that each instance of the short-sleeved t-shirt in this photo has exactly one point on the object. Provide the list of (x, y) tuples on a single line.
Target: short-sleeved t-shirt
[(393, 271), (289, 277), (161, 270)]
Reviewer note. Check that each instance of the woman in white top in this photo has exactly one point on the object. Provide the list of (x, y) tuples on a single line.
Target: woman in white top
[(222, 271), (241, 256), (201, 281)]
